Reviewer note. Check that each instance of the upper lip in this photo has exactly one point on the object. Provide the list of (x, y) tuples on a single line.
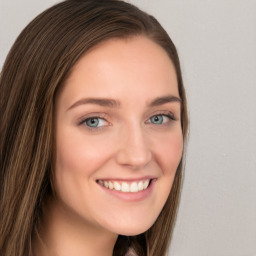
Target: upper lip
[(128, 179)]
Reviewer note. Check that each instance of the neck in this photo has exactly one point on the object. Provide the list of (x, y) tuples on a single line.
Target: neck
[(64, 234)]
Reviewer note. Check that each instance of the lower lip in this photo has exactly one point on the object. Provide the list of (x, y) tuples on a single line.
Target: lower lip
[(130, 196)]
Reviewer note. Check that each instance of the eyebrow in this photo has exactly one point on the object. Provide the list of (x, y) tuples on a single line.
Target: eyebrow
[(116, 104), (163, 100), (97, 101)]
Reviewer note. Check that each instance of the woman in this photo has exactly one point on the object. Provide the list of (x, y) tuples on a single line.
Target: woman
[(93, 127)]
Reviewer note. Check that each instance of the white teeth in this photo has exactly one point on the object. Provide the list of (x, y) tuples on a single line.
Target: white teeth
[(110, 185), (134, 187), (124, 186), (106, 184), (117, 186), (140, 186), (145, 184)]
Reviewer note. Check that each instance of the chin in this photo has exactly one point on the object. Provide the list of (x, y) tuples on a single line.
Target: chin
[(131, 228), (133, 232)]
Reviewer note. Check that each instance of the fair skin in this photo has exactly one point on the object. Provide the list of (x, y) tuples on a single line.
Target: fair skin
[(119, 142)]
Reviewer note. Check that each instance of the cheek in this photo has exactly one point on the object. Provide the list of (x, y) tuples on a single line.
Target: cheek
[(77, 163), (79, 156), (169, 152)]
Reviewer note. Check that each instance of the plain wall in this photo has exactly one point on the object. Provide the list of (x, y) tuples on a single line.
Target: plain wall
[(216, 41)]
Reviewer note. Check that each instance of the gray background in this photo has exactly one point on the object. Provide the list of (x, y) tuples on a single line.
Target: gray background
[(216, 41)]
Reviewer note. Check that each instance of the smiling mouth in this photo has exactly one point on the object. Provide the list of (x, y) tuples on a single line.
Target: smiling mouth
[(125, 187)]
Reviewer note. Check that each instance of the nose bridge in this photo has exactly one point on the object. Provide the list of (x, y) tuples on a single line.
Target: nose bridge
[(134, 150)]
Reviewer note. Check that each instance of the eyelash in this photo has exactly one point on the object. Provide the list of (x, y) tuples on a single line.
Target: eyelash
[(83, 121), (94, 116), (169, 115)]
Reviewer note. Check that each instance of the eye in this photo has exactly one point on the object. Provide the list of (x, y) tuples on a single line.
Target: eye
[(95, 122), (160, 119)]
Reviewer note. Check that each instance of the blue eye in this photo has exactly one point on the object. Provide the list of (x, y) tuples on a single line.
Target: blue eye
[(160, 119), (94, 122)]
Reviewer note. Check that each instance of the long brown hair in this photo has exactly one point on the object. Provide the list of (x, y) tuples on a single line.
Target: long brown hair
[(38, 63)]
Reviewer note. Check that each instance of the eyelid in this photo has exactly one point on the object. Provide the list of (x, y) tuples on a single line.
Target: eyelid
[(105, 117), (93, 115), (166, 113)]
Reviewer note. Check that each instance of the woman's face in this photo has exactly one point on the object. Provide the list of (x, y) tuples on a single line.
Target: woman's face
[(118, 136)]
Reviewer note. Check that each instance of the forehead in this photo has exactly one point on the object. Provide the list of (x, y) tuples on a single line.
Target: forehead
[(134, 66)]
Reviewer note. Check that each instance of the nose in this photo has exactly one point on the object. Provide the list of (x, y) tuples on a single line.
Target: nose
[(134, 151)]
